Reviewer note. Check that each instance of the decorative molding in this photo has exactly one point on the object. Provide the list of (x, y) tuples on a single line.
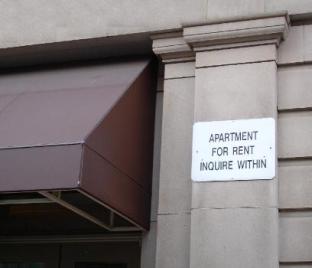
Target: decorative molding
[(182, 44), (172, 47), (229, 34)]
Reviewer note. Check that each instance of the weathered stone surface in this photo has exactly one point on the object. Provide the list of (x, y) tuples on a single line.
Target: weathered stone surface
[(180, 70), (218, 9), (292, 49), (236, 238), (294, 87), (307, 33), (173, 241), (296, 237), (294, 134), (176, 148), (260, 30), (45, 21), (236, 56), (235, 224), (148, 253), (236, 92), (156, 160), (229, 8), (52, 21), (293, 7), (297, 47), (259, 193), (295, 184), (171, 47)]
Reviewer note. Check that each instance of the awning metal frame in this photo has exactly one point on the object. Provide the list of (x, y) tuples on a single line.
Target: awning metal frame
[(24, 201), (112, 237), (56, 197)]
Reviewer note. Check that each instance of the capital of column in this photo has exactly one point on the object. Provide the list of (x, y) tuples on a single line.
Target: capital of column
[(242, 32), (182, 44), (172, 47)]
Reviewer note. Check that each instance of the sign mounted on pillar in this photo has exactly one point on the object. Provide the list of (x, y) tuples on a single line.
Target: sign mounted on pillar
[(234, 150)]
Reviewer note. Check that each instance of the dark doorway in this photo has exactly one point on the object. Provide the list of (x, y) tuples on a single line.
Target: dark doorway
[(99, 265), (85, 255)]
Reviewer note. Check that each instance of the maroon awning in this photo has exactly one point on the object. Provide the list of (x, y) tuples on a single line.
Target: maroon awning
[(85, 130)]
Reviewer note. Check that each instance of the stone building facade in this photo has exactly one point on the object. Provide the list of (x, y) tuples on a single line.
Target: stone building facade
[(217, 60)]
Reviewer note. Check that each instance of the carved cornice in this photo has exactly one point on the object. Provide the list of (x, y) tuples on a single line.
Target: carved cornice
[(229, 34), (171, 46), (181, 44)]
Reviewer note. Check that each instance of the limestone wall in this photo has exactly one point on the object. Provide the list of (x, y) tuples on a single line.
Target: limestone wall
[(43, 21), (295, 148)]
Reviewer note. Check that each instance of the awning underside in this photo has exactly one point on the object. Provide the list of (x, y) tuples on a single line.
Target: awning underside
[(58, 213)]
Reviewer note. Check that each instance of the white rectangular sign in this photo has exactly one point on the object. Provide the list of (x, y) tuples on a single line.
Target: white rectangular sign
[(234, 150)]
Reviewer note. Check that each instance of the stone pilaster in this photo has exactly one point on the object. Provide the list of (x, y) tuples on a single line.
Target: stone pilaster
[(235, 224), (174, 210), (232, 224)]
